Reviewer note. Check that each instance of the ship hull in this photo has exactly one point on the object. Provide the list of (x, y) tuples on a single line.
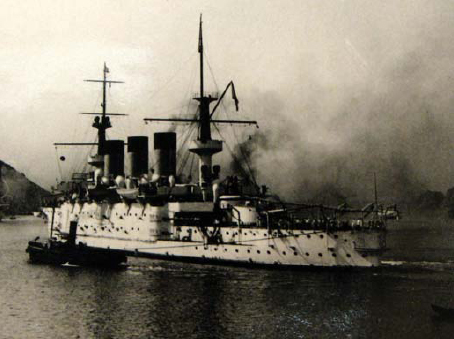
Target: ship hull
[(301, 249), (137, 230)]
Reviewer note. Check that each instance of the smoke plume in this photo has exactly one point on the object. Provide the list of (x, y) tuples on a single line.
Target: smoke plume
[(394, 124)]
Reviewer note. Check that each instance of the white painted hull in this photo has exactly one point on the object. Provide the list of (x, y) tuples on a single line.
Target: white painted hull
[(122, 229)]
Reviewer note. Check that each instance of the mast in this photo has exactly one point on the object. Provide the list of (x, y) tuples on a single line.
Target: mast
[(201, 55), (204, 146), (103, 123), (204, 102)]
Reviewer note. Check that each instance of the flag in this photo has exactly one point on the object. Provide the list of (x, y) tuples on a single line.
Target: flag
[(200, 36), (234, 96)]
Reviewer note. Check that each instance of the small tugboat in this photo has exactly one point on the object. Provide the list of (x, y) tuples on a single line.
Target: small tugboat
[(66, 251), (112, 212), (60, 253)]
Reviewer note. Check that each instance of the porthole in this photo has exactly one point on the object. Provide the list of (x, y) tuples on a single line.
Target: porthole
[(195, 231), (236, 250), (320, 255), (258, 251), (245, 233), (284, 253), (336, 236), (307, 254), (364, 255), (227, 232), (295, 253), (334, 255), (253, 234), (264, 234), (321, 236), (196, 248), (268, 252), (249, 251), (348, 255), (308, 236), (225, 249), (215, 248)]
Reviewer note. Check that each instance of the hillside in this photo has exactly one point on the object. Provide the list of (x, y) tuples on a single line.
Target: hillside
[(22, 195)]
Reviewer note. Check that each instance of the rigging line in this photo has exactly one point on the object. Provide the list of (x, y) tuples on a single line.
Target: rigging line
[(180, 148), (234, 132), (58, 164), (188, 90), (83, 165), (192, 162), (81, 162), (190, 129), (153, 94), (175, 108), (188, 134), (236, 159), (113, 103)]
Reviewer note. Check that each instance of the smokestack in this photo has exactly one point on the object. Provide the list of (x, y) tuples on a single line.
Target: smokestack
[(137, 155), (165, 147), (114, 157)]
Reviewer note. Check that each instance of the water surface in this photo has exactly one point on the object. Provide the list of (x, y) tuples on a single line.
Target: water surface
[(158, 299)]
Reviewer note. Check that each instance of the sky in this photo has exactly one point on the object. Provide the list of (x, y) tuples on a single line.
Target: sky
[(341, 89)]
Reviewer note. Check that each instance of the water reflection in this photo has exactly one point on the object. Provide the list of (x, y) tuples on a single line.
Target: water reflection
[(199, 302)]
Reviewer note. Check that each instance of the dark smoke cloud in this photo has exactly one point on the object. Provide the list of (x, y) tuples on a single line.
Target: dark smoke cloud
[(395, 124)]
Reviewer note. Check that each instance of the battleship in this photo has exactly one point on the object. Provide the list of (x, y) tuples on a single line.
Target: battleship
[(115, 211)]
